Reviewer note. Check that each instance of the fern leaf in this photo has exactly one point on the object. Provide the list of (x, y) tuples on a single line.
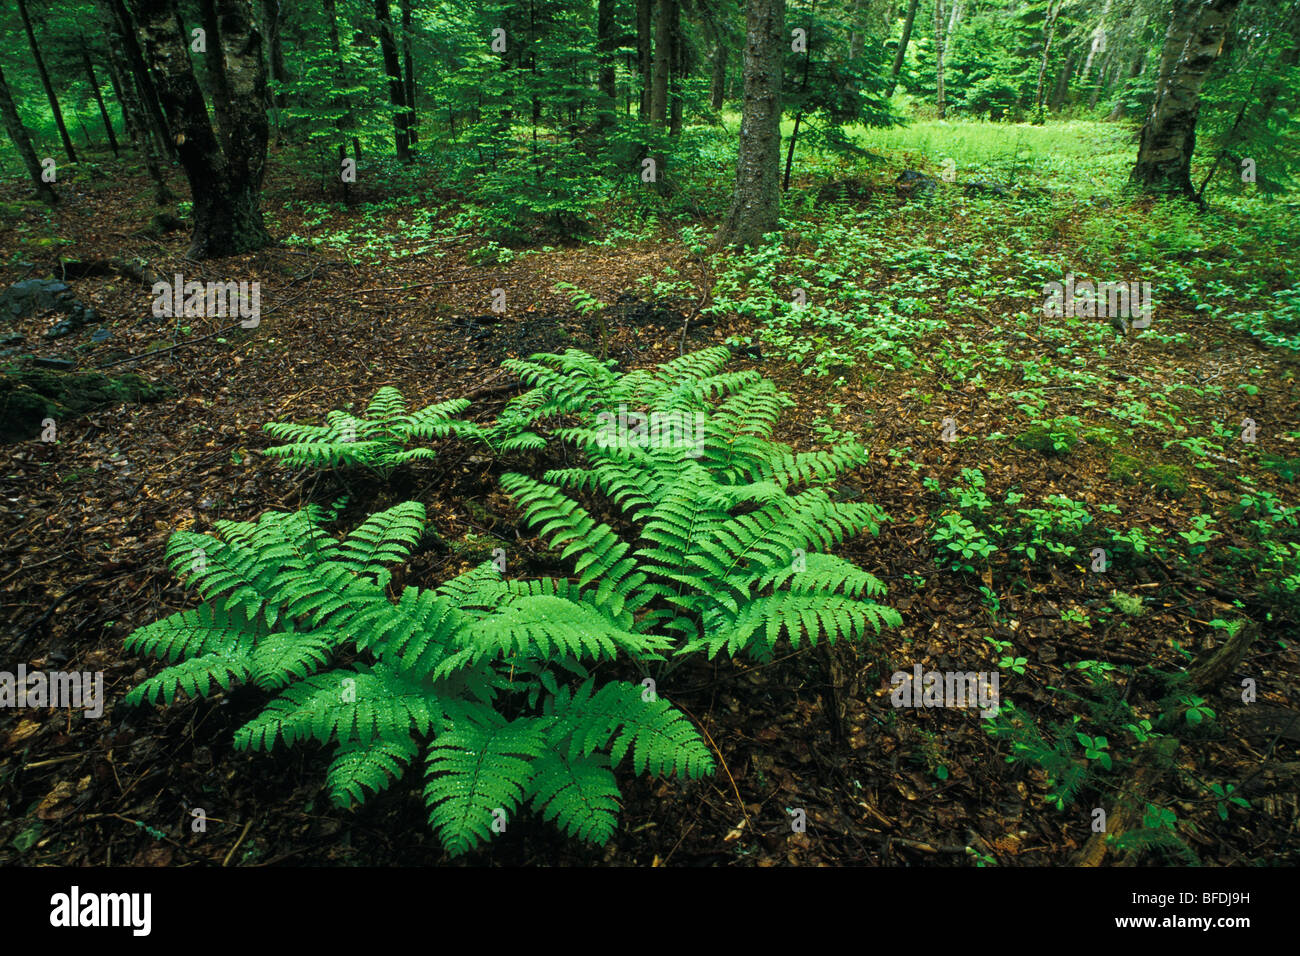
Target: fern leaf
[(195, 677), (660, 738), (478, 775), (344, 705), (372, 765), (579, 794)]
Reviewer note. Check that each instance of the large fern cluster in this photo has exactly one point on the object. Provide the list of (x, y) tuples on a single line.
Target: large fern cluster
[(377, 440), (488, 677), (721, 539)]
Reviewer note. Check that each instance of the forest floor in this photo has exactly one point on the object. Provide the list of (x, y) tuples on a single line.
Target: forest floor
[(84, 521)]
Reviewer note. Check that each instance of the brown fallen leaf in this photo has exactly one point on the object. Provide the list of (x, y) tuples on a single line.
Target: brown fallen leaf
[(46, 808), (26, 728)]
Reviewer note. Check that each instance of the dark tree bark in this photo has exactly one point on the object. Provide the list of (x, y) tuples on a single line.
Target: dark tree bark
[(676, 72), (662, 59), (225, 174), (124, 25), (115, 80), (142, 133), (798, 116), (393, 68), (606, 45), (94, 89), (718, 80), (756, 201), (274, 15), (903, 41), (23, 142), (45, 82), (408, 67), (644, 54), (1197, 30)]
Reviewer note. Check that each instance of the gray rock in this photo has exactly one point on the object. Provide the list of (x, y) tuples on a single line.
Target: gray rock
[(981, 187), (910, 182), (38, 296)]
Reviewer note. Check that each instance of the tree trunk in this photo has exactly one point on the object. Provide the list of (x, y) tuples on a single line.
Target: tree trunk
[(1049, 31), (1168, 138), (1097, 43), (606, 45), (94, 89), (938, 56), (146, 89), (662, 59), (645, 54), (1139, 66), (856, 34), (756, 201), (906, 38), (1062, 88), (45, 82), (225, 183), (23, 142), (274, 32), (143, 133), (115, 80), (718, 81), (408, 68), (798, 116), (954, 18), (393, 68), (676, 72)]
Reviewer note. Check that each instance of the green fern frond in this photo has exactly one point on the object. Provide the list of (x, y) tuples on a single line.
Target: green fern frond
[(361, 704), (279, 659), (382, 539), (619, 717), (285, 597), (202, 630), (824, 573), (478, 775), (579, 794), (376, 440), (195, 677), (541, 626), (798, 616), (387, 405), (373, 766)]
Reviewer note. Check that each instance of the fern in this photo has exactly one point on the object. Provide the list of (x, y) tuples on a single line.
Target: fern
[(722, 541), (434, 671), (377, 440)]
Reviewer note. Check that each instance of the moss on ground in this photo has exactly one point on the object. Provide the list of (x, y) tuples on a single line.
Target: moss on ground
[(1167, 479), (1053, 439), (28, 396)]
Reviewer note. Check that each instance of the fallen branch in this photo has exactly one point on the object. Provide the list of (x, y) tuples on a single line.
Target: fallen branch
[(170, 348), (104, 267)]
